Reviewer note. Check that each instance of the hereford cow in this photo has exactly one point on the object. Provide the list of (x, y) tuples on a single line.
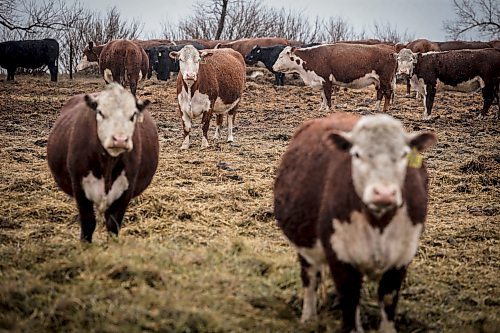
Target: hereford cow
[(457, 70), (346, 65), (103, 151), (29, 54), (161, 62), (347, 195), (124, 62), (267, 56), (90, 57), (209, 81)]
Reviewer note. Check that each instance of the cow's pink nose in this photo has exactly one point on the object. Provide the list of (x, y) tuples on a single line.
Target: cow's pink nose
[(120, 141), (384, 195), (190, 76)]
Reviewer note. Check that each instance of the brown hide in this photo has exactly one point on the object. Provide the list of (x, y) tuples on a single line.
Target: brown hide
[(93, 53), (461, 45), (422, 45), (457, 66), (126, 60), (245, 45), (222, 74), (147, 44), (314, 184), (208, 44)]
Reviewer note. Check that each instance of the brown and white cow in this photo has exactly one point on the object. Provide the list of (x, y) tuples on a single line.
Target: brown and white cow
[(124, 62), (209, 82), (346, 65), (103, 151), (345, 196), (90, 57), (456, 70)]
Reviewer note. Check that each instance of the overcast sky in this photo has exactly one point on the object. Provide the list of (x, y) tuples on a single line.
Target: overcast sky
[(419, 18)]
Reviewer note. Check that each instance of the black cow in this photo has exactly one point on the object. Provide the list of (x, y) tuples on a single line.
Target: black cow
[(29, 54), (162, 64), (267, 56)]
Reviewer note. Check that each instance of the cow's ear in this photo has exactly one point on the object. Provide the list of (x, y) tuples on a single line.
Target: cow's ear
[(142, 105), (340, 140), (91, 103), (91, 46), (395, 55), (174, 55), (421, 140), (218, 46), (293, 49)]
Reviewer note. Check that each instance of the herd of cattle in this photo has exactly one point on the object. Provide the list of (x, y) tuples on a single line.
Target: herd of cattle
[(350, 191)]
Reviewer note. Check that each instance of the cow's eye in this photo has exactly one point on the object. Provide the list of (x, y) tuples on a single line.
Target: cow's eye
[(159, 54), (133, 116), (356, 155), (100, 113), (258, 51), (404, 155)]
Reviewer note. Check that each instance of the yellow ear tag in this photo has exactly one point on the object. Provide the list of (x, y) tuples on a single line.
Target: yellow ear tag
[(140, 118), (415, 159)]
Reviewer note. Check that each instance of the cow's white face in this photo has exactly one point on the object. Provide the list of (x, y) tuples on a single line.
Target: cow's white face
[(379, 148), (406, 62), (288, 62), (85, 63), (189, 63), (116, 114)]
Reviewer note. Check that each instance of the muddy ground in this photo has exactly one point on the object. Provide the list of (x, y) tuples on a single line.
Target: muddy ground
[(200, 250)]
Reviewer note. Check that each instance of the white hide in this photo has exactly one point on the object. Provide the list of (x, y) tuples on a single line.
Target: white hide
[(362, 82), (372, 251), (94, 190), (84, 63), (115, 117)]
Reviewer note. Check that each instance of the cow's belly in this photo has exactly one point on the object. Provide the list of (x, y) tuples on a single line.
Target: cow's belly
[(359, 83), (95, 191), (194, 106), (469, 86), (221, 107), (312, 79), (371, 251)]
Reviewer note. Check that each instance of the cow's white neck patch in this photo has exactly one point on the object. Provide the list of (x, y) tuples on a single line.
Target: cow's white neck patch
[(94, 190), (371, 251)]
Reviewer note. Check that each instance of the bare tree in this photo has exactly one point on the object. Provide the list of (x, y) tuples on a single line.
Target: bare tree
[(336, 29), (222, 18), (482, 16), (387, 33)]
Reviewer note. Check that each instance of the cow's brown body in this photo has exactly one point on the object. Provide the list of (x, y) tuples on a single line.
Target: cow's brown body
[(74, 151), (461, 45), (127, 62)]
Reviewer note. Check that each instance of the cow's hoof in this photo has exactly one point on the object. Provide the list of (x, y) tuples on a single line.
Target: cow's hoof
[(308, 318), (204, 143)]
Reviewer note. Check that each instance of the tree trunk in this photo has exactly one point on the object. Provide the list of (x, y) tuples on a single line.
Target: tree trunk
[(222, 18)]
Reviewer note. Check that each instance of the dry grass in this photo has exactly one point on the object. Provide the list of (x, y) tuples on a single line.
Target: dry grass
[(200, 251)]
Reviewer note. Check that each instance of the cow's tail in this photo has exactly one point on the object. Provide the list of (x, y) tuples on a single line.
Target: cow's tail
[(108, 75)]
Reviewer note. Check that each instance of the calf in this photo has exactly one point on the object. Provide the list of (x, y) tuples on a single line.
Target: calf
[(209, 81), (29, 54), (123, 61), (90, 57), (458, 70), (346, 195), (346, 65), (161, 62), (103, 151)]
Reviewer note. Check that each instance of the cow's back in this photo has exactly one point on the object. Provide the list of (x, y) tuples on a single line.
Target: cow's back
[(121, 54), (29, 53), (298, 189), (223, 75), (422, 45)]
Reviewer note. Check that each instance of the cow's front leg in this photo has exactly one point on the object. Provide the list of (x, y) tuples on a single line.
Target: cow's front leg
[(311, 277), (430, 93), (114, 214), (231, 117), (219, 119), (207, 115), (87, 216), (348, 284), (186, 126), (388, 294)]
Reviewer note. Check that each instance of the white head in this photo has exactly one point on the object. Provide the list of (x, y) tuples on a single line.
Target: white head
[(406, 62), (117, 112), (288, 61), (189, 62), (379, 147)]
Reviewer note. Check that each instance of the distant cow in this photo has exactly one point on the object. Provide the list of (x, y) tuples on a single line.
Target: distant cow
[(90, 57), (351, 193), (267, 56), (103, 151), (346, 65), (458, 70), (245, 45), (29, 54), (461, 45), (147, 45), (209, 81), (161, 62), (124, 62)]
